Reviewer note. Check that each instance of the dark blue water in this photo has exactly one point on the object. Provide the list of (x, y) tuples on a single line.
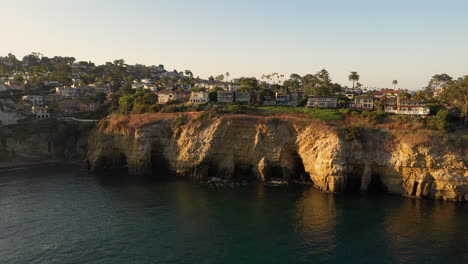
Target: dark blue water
[(64, 215)]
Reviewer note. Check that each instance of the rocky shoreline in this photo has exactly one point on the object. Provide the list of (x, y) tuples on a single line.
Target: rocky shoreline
[(227, 150)]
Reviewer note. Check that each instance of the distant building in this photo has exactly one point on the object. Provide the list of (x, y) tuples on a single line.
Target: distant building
[(405, 107), (66, 91), (322, 102), (199, 98), (225, 97), (8, 118), (364, 102), (41, 112), (268, 99), (36, 100), (242, 97), (387, 93), (282, 99), (166, 96)]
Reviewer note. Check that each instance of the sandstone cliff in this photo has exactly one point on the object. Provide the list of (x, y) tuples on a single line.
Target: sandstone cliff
[(291, 148)]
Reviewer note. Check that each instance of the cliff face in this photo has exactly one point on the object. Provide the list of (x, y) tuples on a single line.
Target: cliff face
[(291, 148)]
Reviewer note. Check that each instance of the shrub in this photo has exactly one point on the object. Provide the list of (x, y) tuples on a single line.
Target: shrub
[(179, 121), (351, 132), (208, 114), (462, 142), (440, 122)]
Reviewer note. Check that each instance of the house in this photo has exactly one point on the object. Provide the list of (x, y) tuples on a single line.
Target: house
[(405, 107), (225, 97), (89, 106), (364, 102), (295, 97), (387, 93), (282, 99), (36, 100), (69, 106), (66, 91), (322, 102), (41, 112), (52, 83), (233, 87), (242, 97), (269, 98), (199, 98), (8, 118), (100, 88), (166, 96)]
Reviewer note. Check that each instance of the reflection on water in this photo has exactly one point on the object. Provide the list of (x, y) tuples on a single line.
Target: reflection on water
[(67, 216)]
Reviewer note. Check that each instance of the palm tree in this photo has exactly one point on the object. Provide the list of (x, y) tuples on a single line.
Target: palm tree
[(227, 76), (354, 77), (395, 82)]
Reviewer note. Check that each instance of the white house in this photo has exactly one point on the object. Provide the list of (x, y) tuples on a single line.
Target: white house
[(8, 118), (165, 96), (199, 98), (66, 91), (40, 112), (322, 102), (36, 100)]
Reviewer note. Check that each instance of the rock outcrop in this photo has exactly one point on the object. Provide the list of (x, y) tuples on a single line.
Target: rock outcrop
[(243, 147)]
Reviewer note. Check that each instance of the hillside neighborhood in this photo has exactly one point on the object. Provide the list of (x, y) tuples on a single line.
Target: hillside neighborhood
[(38, 87)]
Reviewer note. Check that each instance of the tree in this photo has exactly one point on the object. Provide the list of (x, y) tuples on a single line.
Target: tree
[(220, 78), (455, 94), (354, 77), (395, 82), (438, 83), (294, 76), (227, 76), (211, 78), (189, 73)]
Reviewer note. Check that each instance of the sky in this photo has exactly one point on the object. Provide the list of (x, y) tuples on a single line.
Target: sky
[(406, 40)]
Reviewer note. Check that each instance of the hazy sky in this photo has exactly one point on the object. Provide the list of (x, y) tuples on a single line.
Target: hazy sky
[(407, 40)]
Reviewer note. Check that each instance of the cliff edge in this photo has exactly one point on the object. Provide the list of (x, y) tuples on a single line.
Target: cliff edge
[(292, 148)]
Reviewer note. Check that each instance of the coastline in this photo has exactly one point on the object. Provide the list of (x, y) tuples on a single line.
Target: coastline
[(25, 164)]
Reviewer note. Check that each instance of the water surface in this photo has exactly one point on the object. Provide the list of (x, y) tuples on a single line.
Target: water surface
[(64, 215)]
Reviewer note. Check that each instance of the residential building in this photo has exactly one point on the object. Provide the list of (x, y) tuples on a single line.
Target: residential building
[(405, 107), (52, 83), (225, 97), (8, 118), (282, 99), (242, 97), (41, 112), (69, 106), (322, 102), (89, 106), (295, 97), (199, 98), (166, 96), (66, 91), (387, 93), (364, 102), (269, 98), (36, 100)]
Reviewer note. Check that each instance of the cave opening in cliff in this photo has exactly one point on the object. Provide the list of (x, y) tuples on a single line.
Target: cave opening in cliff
[(243, 172), (415, 188), (159, 165), (299, 173), (354, 179), (376, 186)]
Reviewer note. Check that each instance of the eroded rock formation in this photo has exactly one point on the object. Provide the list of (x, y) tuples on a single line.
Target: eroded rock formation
[(291, 148)]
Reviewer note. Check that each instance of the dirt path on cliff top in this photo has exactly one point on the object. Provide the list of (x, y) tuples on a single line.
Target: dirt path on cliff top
[(139, 120)]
